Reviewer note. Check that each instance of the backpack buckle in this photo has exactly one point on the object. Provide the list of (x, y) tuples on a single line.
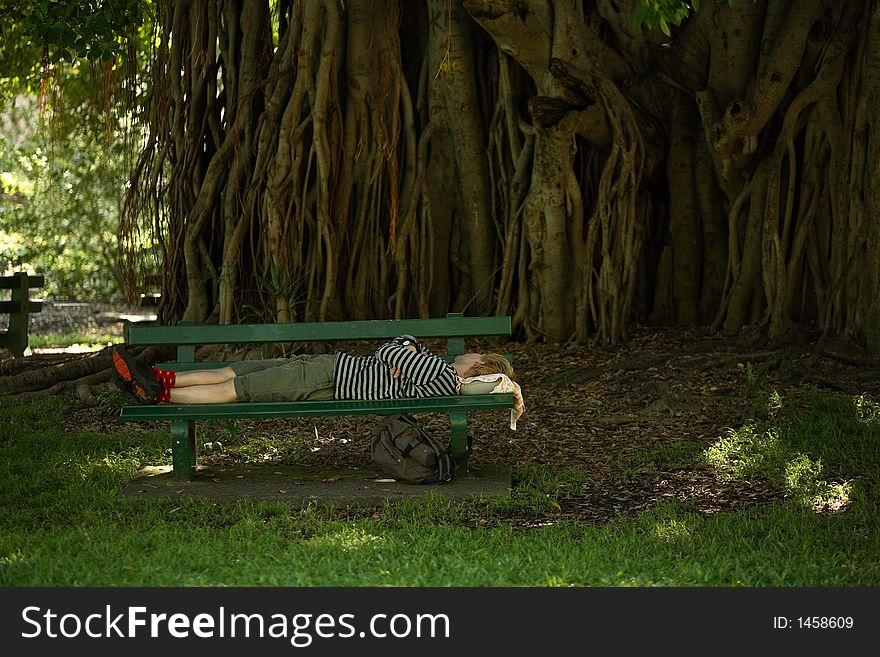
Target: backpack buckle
[(415, 442)]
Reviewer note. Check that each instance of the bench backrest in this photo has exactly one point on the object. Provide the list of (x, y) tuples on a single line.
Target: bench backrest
[(15, 281), (186, 335), (19, 308), (20, 283)]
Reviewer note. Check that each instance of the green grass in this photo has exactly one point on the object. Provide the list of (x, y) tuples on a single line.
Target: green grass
[(822, 450), (60, 525)]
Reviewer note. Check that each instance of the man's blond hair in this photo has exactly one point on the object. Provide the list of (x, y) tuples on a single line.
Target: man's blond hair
[(492, 364)]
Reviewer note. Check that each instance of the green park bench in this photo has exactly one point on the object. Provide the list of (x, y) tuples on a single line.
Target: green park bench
[(187, 335), (19, 307)]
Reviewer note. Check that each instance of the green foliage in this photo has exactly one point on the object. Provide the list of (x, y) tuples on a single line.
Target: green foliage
[(867, 409), (664, 13), (61, 202), (276, 286), (67, 97), (35, 34), (90, 339), (753, 383), (747, 452)]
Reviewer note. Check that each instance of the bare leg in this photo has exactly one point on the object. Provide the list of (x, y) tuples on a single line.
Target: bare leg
[(211, 393), (204, 377)]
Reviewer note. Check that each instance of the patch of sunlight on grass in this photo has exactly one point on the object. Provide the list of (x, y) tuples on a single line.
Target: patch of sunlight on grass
[(802, 479), (13, 558), (745, 451), (630, 582), (555, 581), (755, 450), (867, 409), (671, 530), (348, 539)]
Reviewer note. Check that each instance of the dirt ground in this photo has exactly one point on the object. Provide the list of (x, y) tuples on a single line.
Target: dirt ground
[(602, 412)]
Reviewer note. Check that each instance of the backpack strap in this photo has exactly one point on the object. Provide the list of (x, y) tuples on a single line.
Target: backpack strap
[(446, 465), (415, 442)]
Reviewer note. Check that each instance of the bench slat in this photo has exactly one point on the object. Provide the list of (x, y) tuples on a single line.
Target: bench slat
[(9, 282), (217, 364), (12, 306), (316, 408), (324, 331)]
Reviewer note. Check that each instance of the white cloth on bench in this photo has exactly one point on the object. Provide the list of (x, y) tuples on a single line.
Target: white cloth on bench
[(505, 384)]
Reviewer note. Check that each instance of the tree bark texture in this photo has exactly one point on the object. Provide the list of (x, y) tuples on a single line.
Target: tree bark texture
[(320, 159)]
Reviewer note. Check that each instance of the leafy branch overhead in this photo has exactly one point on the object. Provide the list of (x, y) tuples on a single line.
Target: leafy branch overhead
[(663, 13), (68, 96), (70, 30)]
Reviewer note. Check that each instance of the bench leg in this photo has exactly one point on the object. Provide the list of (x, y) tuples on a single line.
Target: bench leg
[(18, 319), (458, 442), (183, 448), (12, 341)]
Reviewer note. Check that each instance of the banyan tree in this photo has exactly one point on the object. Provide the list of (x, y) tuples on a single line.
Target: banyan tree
[(555, 160)]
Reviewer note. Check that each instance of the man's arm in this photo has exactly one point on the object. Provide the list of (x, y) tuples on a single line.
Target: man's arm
[(408, 358), (412, 344)]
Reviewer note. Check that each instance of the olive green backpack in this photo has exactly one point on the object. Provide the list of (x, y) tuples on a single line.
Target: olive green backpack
[(402, 448)]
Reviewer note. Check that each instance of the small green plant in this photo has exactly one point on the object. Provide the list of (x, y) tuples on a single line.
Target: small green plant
[(746, 451), (754, 384), (867, 409), (802, 479), (273, 286), (662, 13), (111, 400), (774, 403)]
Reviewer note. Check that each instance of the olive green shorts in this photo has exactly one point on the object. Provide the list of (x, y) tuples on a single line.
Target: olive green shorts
[(285, 379)]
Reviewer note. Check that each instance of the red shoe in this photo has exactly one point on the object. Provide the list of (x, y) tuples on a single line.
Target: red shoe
[(135, 377)]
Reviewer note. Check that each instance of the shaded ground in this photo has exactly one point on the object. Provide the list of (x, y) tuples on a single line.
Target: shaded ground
[(632, 420), (356, 487)]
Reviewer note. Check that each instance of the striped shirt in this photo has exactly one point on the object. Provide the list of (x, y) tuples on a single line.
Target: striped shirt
[(370, 377)]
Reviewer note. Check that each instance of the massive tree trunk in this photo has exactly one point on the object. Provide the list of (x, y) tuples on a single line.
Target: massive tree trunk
[(547, 159), (456, 105)]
